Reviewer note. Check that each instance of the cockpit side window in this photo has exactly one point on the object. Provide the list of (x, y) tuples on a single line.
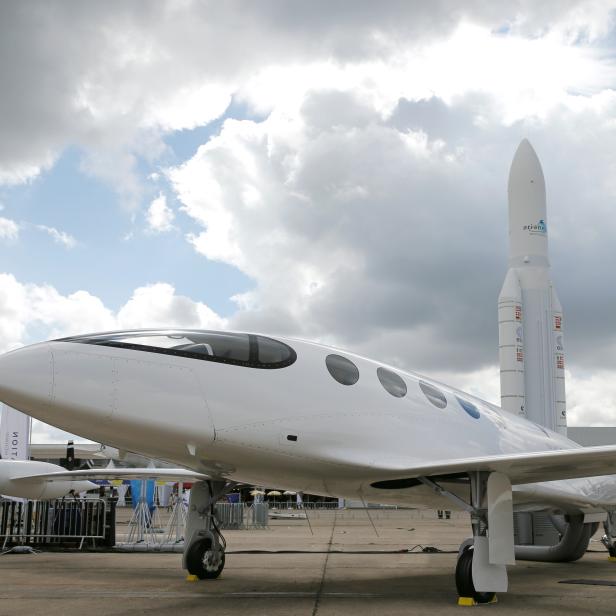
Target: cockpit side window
[(223, 347), (271, 351)]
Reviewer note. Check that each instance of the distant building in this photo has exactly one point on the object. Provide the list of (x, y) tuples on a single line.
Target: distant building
[(592, 436)]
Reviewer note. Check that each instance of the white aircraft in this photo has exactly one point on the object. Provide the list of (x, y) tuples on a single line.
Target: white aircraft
[(236, 407)]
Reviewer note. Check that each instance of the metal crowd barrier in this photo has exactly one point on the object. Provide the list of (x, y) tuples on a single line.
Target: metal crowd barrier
[(230, 516), (57, 522), (311, 505), (235, 516), (258, 515)]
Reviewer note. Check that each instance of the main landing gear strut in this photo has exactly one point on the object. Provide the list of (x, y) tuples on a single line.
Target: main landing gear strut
[(204, 551), (481, 569), (609, 539)]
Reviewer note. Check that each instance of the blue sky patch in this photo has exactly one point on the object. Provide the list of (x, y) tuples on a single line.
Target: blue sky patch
[(114, 254)]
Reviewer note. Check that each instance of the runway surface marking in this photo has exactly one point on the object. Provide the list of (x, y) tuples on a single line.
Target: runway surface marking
[(589, 582), (317, 600)]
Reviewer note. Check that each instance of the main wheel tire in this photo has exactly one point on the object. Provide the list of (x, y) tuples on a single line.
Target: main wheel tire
[(464, 578), (202, 561)]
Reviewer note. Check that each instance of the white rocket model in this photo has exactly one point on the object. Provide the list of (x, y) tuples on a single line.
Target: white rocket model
[(530, 323)]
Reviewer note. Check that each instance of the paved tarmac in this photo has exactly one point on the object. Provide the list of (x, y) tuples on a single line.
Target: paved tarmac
[(342, 568)]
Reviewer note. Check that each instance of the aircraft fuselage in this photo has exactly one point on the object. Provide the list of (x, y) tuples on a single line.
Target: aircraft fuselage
[(288, 423)]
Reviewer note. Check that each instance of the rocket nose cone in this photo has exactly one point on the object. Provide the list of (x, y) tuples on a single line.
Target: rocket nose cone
[(525, 168), (527, 209), (524, 150), (525, 145)]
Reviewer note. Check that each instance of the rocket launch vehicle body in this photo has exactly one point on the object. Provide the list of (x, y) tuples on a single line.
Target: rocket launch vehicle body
[(530, 320)]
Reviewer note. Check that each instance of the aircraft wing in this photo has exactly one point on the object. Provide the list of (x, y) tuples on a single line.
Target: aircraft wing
[(167, 474), (521, 468)]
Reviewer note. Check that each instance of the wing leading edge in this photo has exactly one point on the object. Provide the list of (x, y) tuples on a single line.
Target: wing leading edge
[(167, 474), (521, 468)]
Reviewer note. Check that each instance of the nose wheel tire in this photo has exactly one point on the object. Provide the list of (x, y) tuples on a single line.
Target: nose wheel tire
[(464, 579), (203, 561)]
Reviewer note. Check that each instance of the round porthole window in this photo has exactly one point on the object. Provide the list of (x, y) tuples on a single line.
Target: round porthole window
[(391, 382), (434, 395), (469, 407), (342, 369)]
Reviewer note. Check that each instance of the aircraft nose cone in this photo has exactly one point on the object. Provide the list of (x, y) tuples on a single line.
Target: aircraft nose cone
[(26, 379)]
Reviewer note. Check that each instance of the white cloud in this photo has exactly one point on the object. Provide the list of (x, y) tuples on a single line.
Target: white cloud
[(114, 82), (157, 305), (525, 77), (9, 229), (60, 237), (591, 398), (335, 228), (26, 309), (44, 433), (193, 105), (159, 215)]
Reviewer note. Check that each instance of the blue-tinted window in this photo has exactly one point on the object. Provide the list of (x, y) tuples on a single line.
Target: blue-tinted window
[(469, 407)]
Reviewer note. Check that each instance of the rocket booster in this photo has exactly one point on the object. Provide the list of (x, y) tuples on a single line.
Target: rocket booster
[(530, 320)]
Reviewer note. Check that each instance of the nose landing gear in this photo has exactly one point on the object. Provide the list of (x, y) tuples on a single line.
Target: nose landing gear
[(205, 560), (204, 552)]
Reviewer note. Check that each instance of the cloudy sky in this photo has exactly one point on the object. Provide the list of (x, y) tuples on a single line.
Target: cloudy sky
[(327, 170)]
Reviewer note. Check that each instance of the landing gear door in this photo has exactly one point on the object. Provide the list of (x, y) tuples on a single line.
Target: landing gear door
[(500, 520)]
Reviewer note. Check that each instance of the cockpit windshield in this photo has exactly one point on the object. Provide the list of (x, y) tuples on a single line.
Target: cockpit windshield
[(248, 350)]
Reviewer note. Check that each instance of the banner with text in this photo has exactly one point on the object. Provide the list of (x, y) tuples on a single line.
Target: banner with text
[(14, 434)]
